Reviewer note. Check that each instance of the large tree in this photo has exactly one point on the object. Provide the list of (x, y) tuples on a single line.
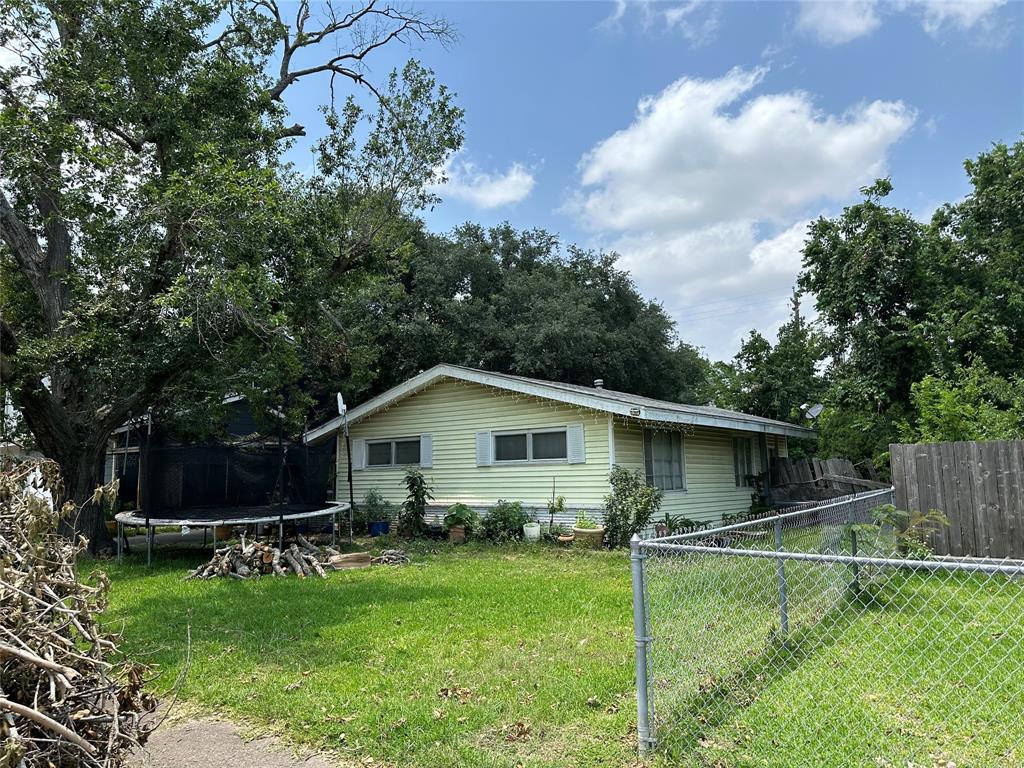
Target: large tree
[(518, 302), (912, 310), (773, 381), (155, 244)]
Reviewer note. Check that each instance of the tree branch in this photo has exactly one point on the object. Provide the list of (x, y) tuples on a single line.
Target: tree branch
[(403, 24)]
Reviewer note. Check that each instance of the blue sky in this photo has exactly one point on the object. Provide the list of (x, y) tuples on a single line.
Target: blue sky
[(698, 138)]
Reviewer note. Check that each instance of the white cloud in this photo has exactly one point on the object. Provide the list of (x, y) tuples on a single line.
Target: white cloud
[(466, 182), (839, 21), (686, 161), (696, 20), (938, 15), (706, 194)]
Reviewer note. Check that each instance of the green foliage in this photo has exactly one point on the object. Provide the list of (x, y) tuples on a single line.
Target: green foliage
[(156, 248), (517, 301), (772, 381), (505, 521), (910, 530), (460, 514), (975, 405), (923, 323), (584, 522), (675, 524), (630, 506), (412, 516), (374, 508)]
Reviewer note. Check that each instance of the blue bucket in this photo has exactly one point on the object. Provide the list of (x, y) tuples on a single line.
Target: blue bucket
[(380, 527)]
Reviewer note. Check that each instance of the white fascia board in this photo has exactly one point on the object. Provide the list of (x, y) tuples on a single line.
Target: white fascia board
[(580, 399), (726, 422)]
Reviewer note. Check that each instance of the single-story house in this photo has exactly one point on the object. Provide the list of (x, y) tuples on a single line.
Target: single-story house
[(480, 437)]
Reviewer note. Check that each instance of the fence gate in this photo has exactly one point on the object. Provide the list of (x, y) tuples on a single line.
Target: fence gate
[(824, 636)]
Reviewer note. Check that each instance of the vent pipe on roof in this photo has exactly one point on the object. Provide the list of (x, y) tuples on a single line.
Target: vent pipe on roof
[(598, 383)]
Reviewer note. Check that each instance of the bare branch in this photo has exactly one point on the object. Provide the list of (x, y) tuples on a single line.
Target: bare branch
[(394, 25)]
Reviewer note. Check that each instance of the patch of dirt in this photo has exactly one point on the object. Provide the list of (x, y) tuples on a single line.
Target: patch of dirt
[(202, 743)]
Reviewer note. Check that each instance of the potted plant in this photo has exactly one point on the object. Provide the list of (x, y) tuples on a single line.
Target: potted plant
[(377, 511), (561, 535), (460, 520), (587, 533), (531, 530), (555, 507)]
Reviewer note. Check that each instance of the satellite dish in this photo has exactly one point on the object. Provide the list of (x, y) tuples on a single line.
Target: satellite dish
[(342, 408), (815, 411)]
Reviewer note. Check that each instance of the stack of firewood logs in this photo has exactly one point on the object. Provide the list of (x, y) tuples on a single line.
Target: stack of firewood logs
[(67, 696), (250, 560)]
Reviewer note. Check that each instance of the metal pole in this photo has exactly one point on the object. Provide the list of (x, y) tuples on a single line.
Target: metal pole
[(643, 726), (348, 457), (149, 544), (215, 539), (120, 534), (780, 570), (854, 567)]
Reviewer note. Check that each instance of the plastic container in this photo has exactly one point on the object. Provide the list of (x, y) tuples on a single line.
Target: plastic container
[(380, 527), (531, 531)]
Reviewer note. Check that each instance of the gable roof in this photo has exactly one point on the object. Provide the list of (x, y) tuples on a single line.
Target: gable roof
[(606, 400)]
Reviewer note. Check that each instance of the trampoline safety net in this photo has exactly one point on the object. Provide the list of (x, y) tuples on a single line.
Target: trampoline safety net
[(177, 478)]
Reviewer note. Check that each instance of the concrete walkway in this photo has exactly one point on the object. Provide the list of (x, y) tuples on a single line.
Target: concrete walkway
[(205, 743)]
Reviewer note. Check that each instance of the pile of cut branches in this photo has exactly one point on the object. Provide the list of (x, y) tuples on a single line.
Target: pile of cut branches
[(254, 559), (67, 696)]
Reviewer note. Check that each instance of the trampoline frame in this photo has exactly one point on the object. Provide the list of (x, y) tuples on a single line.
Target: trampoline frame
[(134, 518)]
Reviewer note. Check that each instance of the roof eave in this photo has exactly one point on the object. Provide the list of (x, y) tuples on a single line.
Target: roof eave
[(428, 377)]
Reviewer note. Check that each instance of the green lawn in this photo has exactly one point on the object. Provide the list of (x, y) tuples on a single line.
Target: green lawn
[(484, 656), (472, 656)]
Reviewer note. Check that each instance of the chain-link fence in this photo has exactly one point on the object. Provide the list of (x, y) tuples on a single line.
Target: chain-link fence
[(828, 636)]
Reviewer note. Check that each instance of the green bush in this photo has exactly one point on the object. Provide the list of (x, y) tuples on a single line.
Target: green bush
[(630, 506), (460, 514), (412, 516), (675, 524), (911, 531), (505, 521)]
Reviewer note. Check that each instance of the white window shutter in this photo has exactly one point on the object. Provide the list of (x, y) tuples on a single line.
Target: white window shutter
[(576, 449), (426, 451), (483, 449), (358, 454)]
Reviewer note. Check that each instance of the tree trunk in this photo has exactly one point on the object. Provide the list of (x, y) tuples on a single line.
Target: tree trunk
[(82, 474)]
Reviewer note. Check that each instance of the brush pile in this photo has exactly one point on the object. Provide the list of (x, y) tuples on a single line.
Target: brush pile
[(391, 557), (254, 559), (303, 558), (67, 696)]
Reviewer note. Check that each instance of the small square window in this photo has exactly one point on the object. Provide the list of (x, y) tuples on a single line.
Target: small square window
[(510, 447), (378, 454), (549, 445), (407, 452)]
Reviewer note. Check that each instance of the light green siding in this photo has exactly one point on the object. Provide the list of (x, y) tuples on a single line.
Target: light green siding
[(711, 489), (453, 412)]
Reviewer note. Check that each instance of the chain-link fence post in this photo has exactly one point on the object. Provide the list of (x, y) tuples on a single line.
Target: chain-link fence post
[(853, 522), (643, 709), (780, 569)]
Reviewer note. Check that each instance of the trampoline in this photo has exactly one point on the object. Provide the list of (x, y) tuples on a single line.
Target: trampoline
[(215, 517), (256, 483)]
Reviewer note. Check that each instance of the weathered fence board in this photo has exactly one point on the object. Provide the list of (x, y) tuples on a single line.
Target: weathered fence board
[(979, 486)]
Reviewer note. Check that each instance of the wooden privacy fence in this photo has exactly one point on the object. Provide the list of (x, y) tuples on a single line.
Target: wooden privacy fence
[(813, 479), (979, 486)]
